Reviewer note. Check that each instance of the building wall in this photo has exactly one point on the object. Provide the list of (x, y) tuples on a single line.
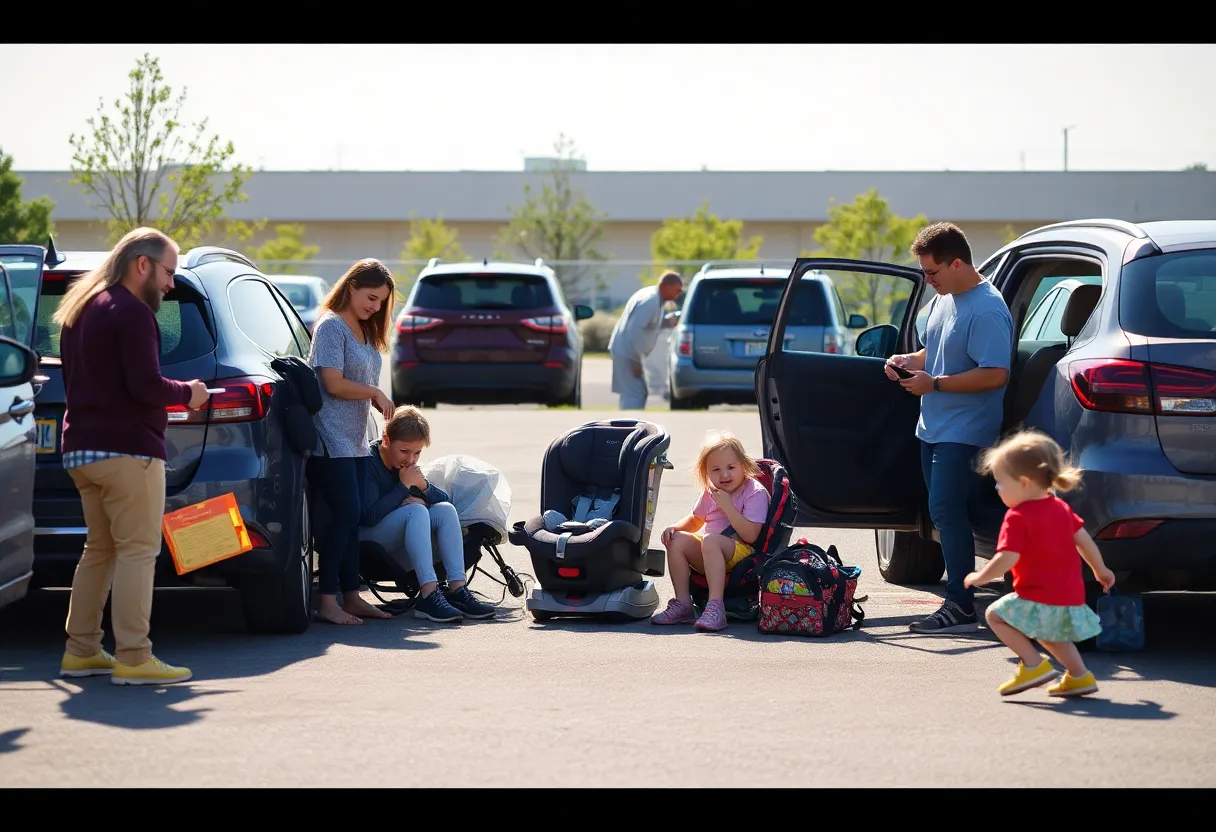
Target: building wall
[(342, 243)]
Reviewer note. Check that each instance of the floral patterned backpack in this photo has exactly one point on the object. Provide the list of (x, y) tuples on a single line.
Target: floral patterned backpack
[(807, 591)]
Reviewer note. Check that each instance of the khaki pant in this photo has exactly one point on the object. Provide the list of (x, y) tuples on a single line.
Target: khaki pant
[(124, 501)]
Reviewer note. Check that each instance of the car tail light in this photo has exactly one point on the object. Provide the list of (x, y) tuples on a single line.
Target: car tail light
[(554, 324), (409, 324), (833, 342), (684, 346), (244, 399), (1126, 529), (1116, 385)]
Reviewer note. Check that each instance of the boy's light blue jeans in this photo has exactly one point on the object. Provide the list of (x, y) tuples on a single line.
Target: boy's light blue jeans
[(405, 533)]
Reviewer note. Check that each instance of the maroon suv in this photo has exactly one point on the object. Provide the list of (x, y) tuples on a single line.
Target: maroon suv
[(483, 333)]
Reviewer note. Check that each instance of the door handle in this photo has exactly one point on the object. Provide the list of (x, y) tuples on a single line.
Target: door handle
[(20, 409), (39, 382)]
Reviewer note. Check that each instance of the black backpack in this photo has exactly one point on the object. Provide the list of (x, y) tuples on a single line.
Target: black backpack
[(301, 392), (807, 591)]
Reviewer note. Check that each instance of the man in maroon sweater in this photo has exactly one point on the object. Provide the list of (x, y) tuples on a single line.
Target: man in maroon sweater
[(114, 450)]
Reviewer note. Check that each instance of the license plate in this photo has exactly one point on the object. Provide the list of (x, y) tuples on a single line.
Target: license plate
[(754, 348), (48, 435)]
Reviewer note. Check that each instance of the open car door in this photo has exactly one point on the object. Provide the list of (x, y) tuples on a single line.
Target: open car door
[(843, 430), (20, 281)]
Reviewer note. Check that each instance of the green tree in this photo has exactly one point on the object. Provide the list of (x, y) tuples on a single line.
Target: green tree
[(21, 221), (428, 238), (143, 166), (1008, 234), (288, 245), (866, 229), (703, 236), (559, 223), (1197, 166)]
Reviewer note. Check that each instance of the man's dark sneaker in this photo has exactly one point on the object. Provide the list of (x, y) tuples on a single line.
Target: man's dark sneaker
[(464, 600), (949, 619), (435, 607)]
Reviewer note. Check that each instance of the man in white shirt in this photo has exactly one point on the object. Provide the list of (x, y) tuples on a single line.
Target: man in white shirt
[(635, 335)]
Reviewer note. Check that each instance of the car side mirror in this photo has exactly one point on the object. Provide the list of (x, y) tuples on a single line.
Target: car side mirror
[(858, 321), (582, 313), (18, 363), (878, 342)]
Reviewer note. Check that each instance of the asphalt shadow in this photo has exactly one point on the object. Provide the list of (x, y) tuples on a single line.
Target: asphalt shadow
[(1095, 706), (10, 740)]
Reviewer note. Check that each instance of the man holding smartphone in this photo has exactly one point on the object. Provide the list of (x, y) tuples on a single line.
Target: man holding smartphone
[(114, 450), (960, 376)]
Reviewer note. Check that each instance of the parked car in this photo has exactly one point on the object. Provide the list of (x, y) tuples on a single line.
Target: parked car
[(488, 332), (724, 329), (223, 322), (18, 389), (1127, 387), (305, 293)]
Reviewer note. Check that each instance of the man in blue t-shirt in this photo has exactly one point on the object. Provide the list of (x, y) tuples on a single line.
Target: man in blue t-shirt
[(960, 376)]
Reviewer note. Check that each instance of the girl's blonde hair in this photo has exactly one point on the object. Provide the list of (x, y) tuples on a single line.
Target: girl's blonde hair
[(720, 441), (1034, 455), (140, 242)]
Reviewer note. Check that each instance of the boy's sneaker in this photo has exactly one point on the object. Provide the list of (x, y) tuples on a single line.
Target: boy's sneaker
[(1070, 686), (1028, 677), (436, 607), (151, 672), (468, 604), (74, 666), (950, 618)]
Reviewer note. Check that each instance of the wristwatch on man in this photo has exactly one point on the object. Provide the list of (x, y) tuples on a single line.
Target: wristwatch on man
[(937, 384)]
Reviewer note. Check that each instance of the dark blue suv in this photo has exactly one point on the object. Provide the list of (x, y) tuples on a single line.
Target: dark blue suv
[(223, 322)]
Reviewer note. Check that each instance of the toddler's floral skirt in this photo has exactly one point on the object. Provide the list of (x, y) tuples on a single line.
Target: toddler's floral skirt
[(1047, 622)]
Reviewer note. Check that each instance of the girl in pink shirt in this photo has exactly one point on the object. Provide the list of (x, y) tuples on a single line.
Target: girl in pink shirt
[(718, 533)]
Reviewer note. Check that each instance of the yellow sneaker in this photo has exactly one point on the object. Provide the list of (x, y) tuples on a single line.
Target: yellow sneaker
[(100, 665), (151, 672), (1028, 677), (1068, 686)]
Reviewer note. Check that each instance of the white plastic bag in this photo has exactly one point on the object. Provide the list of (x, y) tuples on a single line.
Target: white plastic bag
[(479, 491)]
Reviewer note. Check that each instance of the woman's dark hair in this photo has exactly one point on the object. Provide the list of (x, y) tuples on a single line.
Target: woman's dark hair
[(368, 273)]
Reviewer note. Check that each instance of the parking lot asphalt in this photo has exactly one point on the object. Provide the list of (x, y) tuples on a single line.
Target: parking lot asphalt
[(403, 702)]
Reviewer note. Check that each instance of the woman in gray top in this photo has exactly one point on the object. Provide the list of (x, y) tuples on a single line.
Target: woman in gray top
[(347, 340)]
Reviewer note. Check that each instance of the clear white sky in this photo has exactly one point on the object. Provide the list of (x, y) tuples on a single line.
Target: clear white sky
[(644, 107)]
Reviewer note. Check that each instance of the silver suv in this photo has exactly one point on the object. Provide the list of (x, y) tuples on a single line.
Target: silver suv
[(725, 323)]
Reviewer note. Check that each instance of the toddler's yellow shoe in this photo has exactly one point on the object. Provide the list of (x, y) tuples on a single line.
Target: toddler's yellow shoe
[(100, 665), (1028, 677), (1069, 686)]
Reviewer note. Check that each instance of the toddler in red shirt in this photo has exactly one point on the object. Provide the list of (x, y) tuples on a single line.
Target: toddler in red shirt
[(1039, 542)]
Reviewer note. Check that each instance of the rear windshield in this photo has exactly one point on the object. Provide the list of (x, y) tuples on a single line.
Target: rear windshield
[(482, 291), (1170, 296), (183, 328), (753, 302)]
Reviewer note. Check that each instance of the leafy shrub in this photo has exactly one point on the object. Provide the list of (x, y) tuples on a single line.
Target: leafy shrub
[(596, 331)]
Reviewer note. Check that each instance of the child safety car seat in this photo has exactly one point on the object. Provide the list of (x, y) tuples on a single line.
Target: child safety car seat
[(741, 597), (590, 542)]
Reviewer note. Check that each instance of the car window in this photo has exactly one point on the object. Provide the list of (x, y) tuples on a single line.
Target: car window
[(298, 294), (182, 319), (23, 279), (257, 314), (454, 293), (1170, 295), (753, 302), (303, 341), (1051, 330), (881, 299), (7, 330), (1034, 321)]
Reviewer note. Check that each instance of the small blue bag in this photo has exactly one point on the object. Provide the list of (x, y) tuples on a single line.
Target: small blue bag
[(1122, 618)]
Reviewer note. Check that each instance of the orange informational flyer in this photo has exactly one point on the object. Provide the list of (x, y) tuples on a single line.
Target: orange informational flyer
[(205, 533)]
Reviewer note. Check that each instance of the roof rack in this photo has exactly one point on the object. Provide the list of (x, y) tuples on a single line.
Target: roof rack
[(209, 254), (1129, 228), (434, 261)]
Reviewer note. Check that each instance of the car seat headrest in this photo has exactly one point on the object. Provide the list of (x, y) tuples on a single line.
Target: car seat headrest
[(597, 456), (1081, 304)]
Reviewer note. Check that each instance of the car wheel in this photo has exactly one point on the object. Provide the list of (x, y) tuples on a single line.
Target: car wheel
[(678, 403), (283, 603), (575, 399), (908, 559)]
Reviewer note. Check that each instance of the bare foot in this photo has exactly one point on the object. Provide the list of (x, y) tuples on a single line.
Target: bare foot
[(334, 614), (358, 606)]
